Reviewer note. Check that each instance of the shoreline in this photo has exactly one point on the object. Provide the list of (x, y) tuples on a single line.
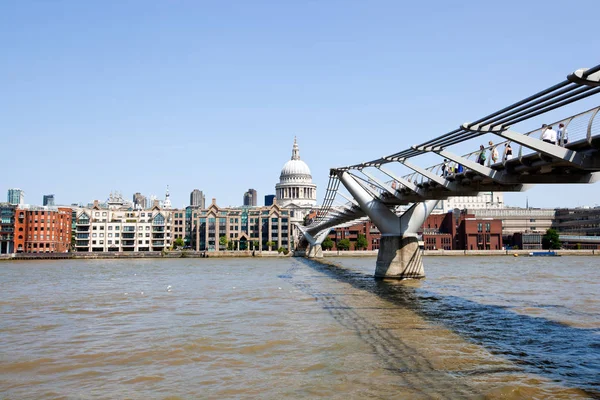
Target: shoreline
[(270, 254)]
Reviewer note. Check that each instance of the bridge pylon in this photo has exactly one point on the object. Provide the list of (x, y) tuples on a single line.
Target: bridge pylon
[(314, 244), (399, 256)]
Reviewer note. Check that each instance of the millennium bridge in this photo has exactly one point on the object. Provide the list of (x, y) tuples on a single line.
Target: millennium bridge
[(375, 191)]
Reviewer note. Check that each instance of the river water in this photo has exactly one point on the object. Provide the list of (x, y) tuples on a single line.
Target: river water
[(476, 327)]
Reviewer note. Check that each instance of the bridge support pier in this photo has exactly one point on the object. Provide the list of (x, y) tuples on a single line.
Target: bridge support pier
[(314, 244), (399, 258)]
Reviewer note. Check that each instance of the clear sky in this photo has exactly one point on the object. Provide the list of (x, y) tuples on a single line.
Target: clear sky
[(137, 95)]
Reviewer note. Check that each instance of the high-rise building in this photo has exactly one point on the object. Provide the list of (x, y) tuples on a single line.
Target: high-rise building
[(269, 200), (197, 199), (16, 196), (48, 200), (250, 197), (139, 201)]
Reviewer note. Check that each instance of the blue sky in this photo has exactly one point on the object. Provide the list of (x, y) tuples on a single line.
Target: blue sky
[(137, 95)]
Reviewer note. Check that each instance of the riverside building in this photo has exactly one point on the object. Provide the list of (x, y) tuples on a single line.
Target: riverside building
[(7, 228), (100, 229), (239, 228), (42, 229)]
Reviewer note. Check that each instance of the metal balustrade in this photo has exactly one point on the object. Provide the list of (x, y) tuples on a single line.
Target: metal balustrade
[(580, 157)]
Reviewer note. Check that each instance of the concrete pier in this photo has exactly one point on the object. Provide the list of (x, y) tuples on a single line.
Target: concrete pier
[(399, 258)]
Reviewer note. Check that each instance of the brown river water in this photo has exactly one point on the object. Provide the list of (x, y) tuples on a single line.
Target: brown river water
[(476, 327)]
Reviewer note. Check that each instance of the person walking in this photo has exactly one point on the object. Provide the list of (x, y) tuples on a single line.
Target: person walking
[(445, 168), (507, 152), (563, 137), (493, 153), (481, 157), (548, 134)]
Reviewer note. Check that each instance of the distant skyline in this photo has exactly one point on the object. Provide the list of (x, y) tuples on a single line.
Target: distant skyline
[(134, 96)]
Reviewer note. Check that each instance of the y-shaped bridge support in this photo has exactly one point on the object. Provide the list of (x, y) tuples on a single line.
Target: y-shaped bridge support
[(314, 243), (399, 256)]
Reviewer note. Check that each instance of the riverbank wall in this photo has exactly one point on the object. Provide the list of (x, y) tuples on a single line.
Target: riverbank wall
[(459, 253), (144, 254), (300, 253)]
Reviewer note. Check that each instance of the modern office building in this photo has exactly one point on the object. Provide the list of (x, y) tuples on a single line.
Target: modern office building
[(48, 200), (42, 229), (250, 198), (578, 221), (140, 201), (7, 228), (269, 199), (197, 199), (518, 220), (16, 196)]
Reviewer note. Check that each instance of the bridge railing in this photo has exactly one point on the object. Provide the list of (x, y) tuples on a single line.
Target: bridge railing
[(579, 85)]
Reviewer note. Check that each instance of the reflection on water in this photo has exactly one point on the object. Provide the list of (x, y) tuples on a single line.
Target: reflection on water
[(273, 328)]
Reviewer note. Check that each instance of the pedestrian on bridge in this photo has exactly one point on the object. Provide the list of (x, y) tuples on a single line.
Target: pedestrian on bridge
[(548, 134), (563, 137), (481, 157), (493, 153), (507, 152)]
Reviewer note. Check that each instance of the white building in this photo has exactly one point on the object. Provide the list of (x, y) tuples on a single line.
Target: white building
[(485, 200), (118, 229), (295, 190)]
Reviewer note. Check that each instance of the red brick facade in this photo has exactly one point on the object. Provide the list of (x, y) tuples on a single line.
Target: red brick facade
[(42, 230)]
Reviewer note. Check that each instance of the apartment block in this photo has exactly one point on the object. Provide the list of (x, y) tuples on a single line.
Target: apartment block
[(100, 229)]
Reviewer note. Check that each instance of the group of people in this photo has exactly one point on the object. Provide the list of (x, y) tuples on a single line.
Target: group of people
[(508, 153), (451, 168), (559, 137), (549, 135)]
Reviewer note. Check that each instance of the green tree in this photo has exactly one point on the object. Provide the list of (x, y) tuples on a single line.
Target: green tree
[(230, 245), (551, 240), (223, 241), (327, 243), (270, 245), (255, 245), (361, 242), (178, 243), (343, 244)]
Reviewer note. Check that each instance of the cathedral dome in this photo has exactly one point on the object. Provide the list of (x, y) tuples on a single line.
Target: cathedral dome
[(295, 187), (295, 169)]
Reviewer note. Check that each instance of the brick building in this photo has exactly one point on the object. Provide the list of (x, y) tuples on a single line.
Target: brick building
[(366, 228), (42, 229), (461, 231)]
